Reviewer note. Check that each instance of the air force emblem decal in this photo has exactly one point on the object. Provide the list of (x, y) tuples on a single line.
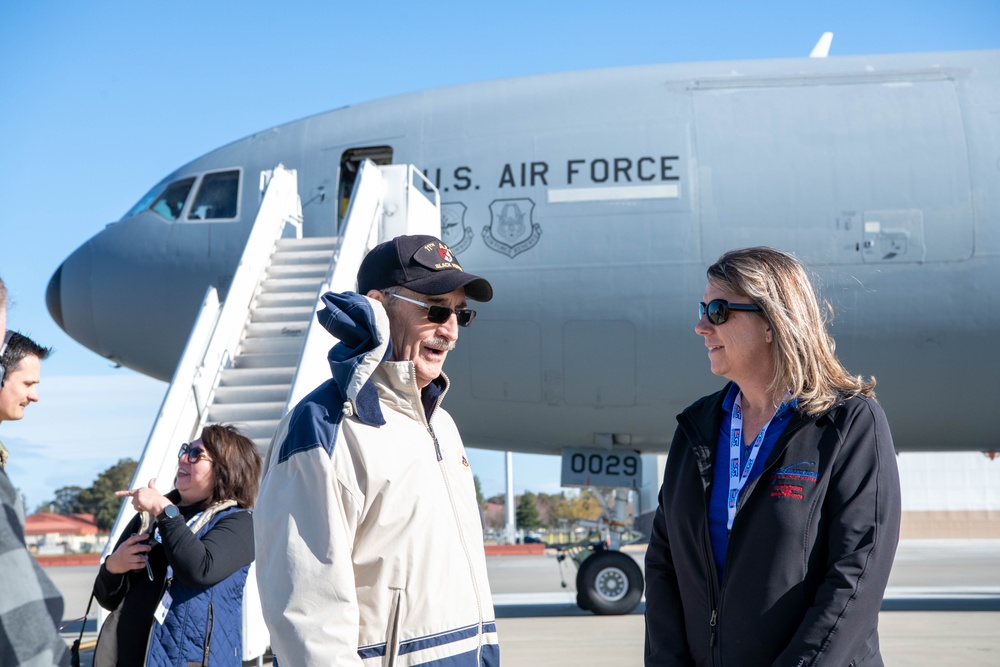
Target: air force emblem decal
[(453, 229), (511, 230)]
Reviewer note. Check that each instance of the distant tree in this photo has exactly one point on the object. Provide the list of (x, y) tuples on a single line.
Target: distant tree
[(552, 507), (100, 499), (47, 506), (479, 491), (527, 512), (585, 506), (68, 500), (495, 514)]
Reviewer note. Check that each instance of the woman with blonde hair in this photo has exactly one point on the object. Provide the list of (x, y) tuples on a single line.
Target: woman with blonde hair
[(779, 513)]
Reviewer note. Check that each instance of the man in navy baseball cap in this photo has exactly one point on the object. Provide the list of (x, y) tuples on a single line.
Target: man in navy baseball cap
[(424, 290), (422, 264), (367, 489)]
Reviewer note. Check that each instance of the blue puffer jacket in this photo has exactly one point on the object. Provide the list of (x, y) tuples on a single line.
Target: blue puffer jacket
[(203, 625)]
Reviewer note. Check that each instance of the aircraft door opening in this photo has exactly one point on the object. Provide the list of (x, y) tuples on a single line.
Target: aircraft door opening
[(350, 164)]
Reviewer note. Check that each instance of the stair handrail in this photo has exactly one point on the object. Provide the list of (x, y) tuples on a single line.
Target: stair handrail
[(359, 234), (412, 203)]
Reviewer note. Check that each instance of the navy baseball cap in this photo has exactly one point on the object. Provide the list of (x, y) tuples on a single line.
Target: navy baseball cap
[(420, 263)]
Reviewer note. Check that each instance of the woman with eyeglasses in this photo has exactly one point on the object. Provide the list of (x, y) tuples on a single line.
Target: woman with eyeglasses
[(175, 579), (779, 513)]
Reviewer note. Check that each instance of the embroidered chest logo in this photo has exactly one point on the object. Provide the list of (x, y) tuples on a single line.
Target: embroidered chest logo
[(791, 481), (465, 461)]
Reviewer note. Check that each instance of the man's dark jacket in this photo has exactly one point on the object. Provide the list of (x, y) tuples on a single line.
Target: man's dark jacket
[(809, 552)]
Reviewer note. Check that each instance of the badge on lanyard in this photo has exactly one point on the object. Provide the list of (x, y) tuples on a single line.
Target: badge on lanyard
[(161, 609)]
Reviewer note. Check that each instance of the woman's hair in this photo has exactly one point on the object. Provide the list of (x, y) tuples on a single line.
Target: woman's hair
[(803, 351), (235, 463)]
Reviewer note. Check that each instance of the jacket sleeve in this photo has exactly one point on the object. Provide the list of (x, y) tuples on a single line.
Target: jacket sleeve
[(864, 506), (220, 552), (31, 606), (666, 640), (304, 526)]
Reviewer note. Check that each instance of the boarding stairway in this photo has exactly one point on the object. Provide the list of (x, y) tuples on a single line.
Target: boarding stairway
[(253, 391), (251, 358)]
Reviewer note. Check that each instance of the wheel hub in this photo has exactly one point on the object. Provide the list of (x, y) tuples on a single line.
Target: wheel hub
[(611, 584)]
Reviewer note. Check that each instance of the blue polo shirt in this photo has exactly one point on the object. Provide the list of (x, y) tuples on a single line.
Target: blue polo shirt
[(718, 513)]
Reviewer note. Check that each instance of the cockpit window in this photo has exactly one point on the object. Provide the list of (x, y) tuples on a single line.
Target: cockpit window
[(146, 200), (171, 202), (217, 197)]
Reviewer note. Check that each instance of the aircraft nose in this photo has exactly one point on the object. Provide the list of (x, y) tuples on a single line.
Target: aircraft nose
[(68, 298), (53, 297)]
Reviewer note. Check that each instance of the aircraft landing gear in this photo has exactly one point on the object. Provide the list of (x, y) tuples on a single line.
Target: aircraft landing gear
[(609, 582)]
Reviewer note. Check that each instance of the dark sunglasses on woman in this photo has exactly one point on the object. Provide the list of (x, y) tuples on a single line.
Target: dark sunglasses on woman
[(718, 309), (194, 453)]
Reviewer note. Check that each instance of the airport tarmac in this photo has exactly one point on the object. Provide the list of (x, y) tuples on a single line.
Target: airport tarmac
[(942, 608)]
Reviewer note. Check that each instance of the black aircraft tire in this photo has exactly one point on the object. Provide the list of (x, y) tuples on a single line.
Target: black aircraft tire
[(609, 583)]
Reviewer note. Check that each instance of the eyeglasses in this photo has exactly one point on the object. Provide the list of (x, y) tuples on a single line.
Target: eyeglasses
[(440, 314), (718, 309), (194, 453)]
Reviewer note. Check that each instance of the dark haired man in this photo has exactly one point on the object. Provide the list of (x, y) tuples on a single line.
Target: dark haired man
[(22, 367), (368, 536), (31, 607)]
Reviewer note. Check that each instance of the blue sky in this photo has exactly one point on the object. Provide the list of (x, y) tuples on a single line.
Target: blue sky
[(99, 101)]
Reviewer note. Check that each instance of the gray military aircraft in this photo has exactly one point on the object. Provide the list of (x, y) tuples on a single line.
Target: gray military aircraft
[(594, 201)]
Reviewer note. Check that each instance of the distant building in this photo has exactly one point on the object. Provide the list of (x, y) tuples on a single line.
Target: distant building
[(49, 533)]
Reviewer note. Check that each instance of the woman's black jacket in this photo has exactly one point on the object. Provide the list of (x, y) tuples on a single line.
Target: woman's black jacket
[(809, 553)]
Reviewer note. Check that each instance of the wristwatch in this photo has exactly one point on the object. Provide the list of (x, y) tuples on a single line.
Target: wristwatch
[(169, 512)]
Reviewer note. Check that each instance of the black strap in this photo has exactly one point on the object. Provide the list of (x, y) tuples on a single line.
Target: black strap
[(75, 650), (86, 614)]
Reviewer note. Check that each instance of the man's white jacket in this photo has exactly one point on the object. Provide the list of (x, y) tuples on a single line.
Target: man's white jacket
[(368, 537)]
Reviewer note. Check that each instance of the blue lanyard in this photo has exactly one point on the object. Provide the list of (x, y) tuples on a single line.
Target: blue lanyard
[(737, 478)]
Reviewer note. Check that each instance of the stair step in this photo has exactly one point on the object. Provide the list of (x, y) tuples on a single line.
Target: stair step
[(296, 271), (315, 242), (257, 393), (271, 345), (285, 285), (267, 360), (296, 314), (258, 429), (245, 377), (272, 329), (286, 299), (297, 256), (243, 412)]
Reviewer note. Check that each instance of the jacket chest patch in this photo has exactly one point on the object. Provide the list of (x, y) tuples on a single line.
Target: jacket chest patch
[(792, 481), (465, 462)]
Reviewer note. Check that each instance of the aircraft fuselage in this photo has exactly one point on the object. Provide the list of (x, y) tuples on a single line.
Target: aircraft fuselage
[(594, 202)]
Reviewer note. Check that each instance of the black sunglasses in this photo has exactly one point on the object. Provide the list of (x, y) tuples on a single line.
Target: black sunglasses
[(194, 453), (440, 314), (718, 309)]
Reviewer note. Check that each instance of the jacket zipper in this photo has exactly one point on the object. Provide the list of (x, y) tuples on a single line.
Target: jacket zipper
[(775, 455), (455, 515), (714, 586), (209, 626)]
